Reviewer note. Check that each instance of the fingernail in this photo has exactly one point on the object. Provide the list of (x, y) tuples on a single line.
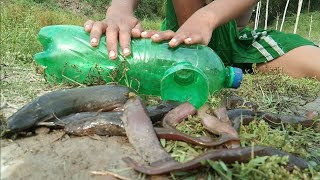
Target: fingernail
[(112, 54), (126, 51), (94, 40), (144, 33), (173, 42), (155, 36), (188, 40)]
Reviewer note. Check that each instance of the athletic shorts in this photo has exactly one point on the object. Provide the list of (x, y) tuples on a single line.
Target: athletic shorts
[(246, 47)]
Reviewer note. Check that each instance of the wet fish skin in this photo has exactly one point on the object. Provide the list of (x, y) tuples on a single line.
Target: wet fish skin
[(90, 123), (278, 119), (178, 114), (109, 123), (233, 102), (105, 123), (156, 113), (64, 102), (234, 113), (140, 131), (247, 116), (226, 155)]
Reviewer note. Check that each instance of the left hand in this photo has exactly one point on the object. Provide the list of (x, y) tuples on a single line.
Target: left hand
[(196, 30)]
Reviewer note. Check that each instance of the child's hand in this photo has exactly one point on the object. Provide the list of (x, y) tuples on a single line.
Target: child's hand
[(117, 25), (196, 30)]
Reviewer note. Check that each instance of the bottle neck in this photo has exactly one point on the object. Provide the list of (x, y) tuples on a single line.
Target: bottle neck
[(229, 77), (234, 77)]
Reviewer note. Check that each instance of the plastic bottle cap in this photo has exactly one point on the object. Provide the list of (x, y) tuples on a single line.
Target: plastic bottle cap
[(238, 76)]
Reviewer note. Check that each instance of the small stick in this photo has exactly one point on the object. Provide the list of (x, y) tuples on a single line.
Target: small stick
[(310, 27), (73, 81), (256, 24), (266, 20), (284, 14), (277, 23), (298, 16), (107, 173), (48, 124), (3, 100)]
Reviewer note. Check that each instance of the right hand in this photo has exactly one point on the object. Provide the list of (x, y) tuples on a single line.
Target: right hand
[(118, 26)]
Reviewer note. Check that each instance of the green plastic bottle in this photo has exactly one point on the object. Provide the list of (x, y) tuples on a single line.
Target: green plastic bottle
[(185, 73)]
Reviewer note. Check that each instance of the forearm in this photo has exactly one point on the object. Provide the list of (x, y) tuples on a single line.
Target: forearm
[(222, 11), (185, 8), (243, 20), (124, 6)]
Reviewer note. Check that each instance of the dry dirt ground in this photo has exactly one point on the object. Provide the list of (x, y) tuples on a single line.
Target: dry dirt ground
[(44, 157)]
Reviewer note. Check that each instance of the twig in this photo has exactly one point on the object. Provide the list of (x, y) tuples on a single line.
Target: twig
[(284, 14), (256, 24), (48, 124), (266, 20), (13, 106), (73, 81), (60, 137), (4, 101), (69, 78), (277, 22), (298, 16), (106, 173), (310, 27)]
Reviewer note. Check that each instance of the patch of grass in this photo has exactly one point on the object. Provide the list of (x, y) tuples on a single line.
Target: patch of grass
[(19, 81), (182, 151), (297, 140), (277, 92), (272, 167), (192, 126), (19, 30), (151, 24)]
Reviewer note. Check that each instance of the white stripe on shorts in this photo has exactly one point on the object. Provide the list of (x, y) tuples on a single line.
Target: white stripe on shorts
[(262, 50), (273, 44)]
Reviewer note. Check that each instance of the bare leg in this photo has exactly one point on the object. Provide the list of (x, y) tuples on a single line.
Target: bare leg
[(303, 61)]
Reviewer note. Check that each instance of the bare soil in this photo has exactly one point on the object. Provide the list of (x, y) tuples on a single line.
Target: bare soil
[(54, 155)]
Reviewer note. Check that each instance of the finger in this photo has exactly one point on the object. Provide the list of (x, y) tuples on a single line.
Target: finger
[(194, 39), (177, 39), (162, 36), (95, 34), (125, 40), (112, 42), (137, 30), (148, 33), (88, 25)]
